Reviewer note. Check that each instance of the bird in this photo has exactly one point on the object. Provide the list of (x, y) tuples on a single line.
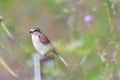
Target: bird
[(43, 45)]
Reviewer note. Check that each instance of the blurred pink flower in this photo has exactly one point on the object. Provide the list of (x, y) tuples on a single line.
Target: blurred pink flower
[(88, 19)]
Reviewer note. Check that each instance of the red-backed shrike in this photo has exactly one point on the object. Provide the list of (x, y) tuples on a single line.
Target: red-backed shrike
[(42, 44)]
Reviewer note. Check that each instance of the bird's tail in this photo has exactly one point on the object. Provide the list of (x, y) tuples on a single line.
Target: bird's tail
[(58, 54)]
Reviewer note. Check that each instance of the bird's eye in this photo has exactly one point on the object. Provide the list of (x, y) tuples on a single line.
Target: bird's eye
[(36, 30)]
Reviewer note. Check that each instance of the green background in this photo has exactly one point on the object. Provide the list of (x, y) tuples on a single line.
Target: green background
[(91, 50)]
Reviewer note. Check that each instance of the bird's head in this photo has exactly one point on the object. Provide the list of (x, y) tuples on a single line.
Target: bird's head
[(34, 30)]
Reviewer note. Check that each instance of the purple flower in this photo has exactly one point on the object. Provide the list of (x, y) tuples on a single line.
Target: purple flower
[(88, 19)]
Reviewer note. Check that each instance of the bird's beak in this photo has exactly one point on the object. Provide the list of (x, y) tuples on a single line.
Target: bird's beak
[(30, 32)]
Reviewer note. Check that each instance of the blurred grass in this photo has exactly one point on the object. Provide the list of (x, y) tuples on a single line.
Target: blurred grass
[(62, 21)]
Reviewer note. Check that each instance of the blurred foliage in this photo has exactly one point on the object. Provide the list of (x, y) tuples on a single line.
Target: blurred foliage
[(91, 50)]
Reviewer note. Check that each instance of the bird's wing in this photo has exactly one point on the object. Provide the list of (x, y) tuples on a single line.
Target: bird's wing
[(43, 39)]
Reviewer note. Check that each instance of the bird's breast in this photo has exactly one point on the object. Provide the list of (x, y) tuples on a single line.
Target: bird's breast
[(40, 47)]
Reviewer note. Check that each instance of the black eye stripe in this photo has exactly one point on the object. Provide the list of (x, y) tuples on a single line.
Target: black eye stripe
[(36, 30)]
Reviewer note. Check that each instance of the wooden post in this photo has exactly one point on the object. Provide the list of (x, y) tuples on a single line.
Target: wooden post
[(37, 67), (38, 61)]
